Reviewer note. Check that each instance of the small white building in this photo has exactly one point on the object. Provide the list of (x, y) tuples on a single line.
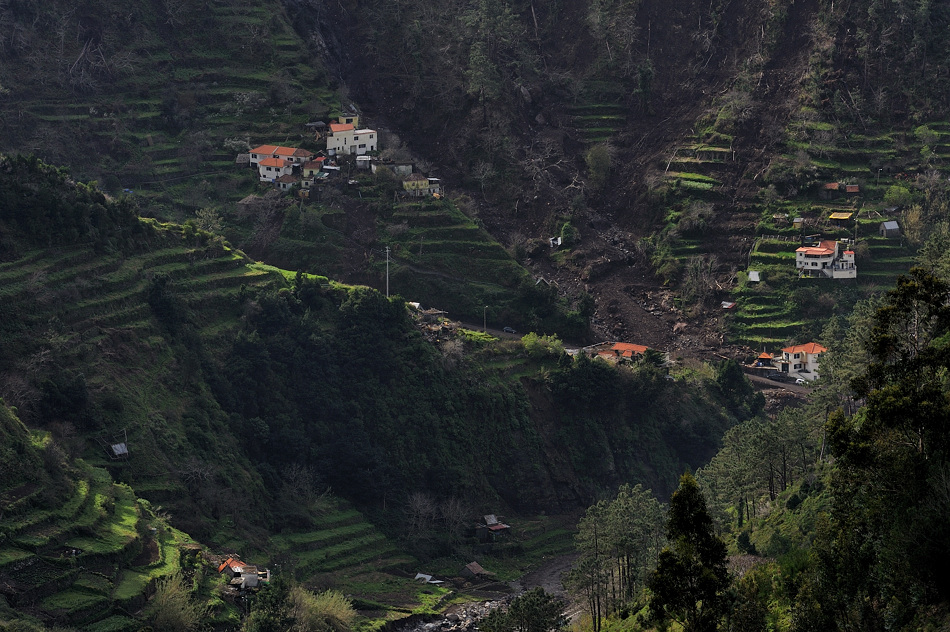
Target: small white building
[(828, 259), (287, 182)]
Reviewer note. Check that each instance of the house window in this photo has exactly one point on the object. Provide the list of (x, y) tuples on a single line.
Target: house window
[(370, 135), (797, 366), (798, 355), (363, 146)]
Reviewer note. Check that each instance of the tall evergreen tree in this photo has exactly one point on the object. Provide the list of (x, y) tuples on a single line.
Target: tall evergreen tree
[(690, 580)]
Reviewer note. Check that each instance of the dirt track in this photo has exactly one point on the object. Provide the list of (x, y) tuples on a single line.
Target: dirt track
[(548, 576)]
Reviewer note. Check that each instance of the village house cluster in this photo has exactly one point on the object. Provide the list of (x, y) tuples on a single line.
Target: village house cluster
[(294, 168)]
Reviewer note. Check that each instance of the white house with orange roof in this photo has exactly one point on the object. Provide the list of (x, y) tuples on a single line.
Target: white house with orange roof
[(271, 169), (293, 155), (345, 139), (829, 259), (260, 153), (800, 361)]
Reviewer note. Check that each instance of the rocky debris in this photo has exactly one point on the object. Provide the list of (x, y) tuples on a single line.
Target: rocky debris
[(463, 618)]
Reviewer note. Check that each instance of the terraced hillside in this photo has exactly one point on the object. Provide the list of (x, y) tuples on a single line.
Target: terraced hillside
[(86, 296), (86, 552), (155, 91), (864, 177)]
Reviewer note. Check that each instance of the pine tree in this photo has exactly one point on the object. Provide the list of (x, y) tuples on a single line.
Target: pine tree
[(690, 580)]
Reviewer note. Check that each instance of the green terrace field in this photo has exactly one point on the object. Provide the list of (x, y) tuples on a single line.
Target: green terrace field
[(91, 558), (784, 308), (602, 113), (439, 253), (86, 293)]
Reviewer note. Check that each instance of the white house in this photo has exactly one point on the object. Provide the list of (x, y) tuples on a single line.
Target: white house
[(262, 152), (273, 168), (800, 361), (366, 140), (345, 139), (827, 259), (339, 138)]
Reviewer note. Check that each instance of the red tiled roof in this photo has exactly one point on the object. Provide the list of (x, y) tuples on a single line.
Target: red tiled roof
[(811, 347), (288, 178), (340, 127), (831, 186), (302, 153), (264, 149), (852, 188), (274, 162), (849, 252), (232, 563)]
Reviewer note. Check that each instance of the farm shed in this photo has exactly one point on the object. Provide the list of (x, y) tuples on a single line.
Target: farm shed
[(889, 229)]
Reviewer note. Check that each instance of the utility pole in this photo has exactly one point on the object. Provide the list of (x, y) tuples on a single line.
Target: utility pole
[(387, 271), (485, 319)]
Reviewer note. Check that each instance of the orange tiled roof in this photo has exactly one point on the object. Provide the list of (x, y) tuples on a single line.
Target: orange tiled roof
[(285, 151), (823, 249), (302, 153), (812, 250), (765, 356), (811, 347), (264, 149), (340, 127), (627, 349), (274, 162), (831, 186)]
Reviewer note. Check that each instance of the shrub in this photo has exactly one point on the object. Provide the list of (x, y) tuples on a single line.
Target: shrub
[(172, 607), (329, 611)]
